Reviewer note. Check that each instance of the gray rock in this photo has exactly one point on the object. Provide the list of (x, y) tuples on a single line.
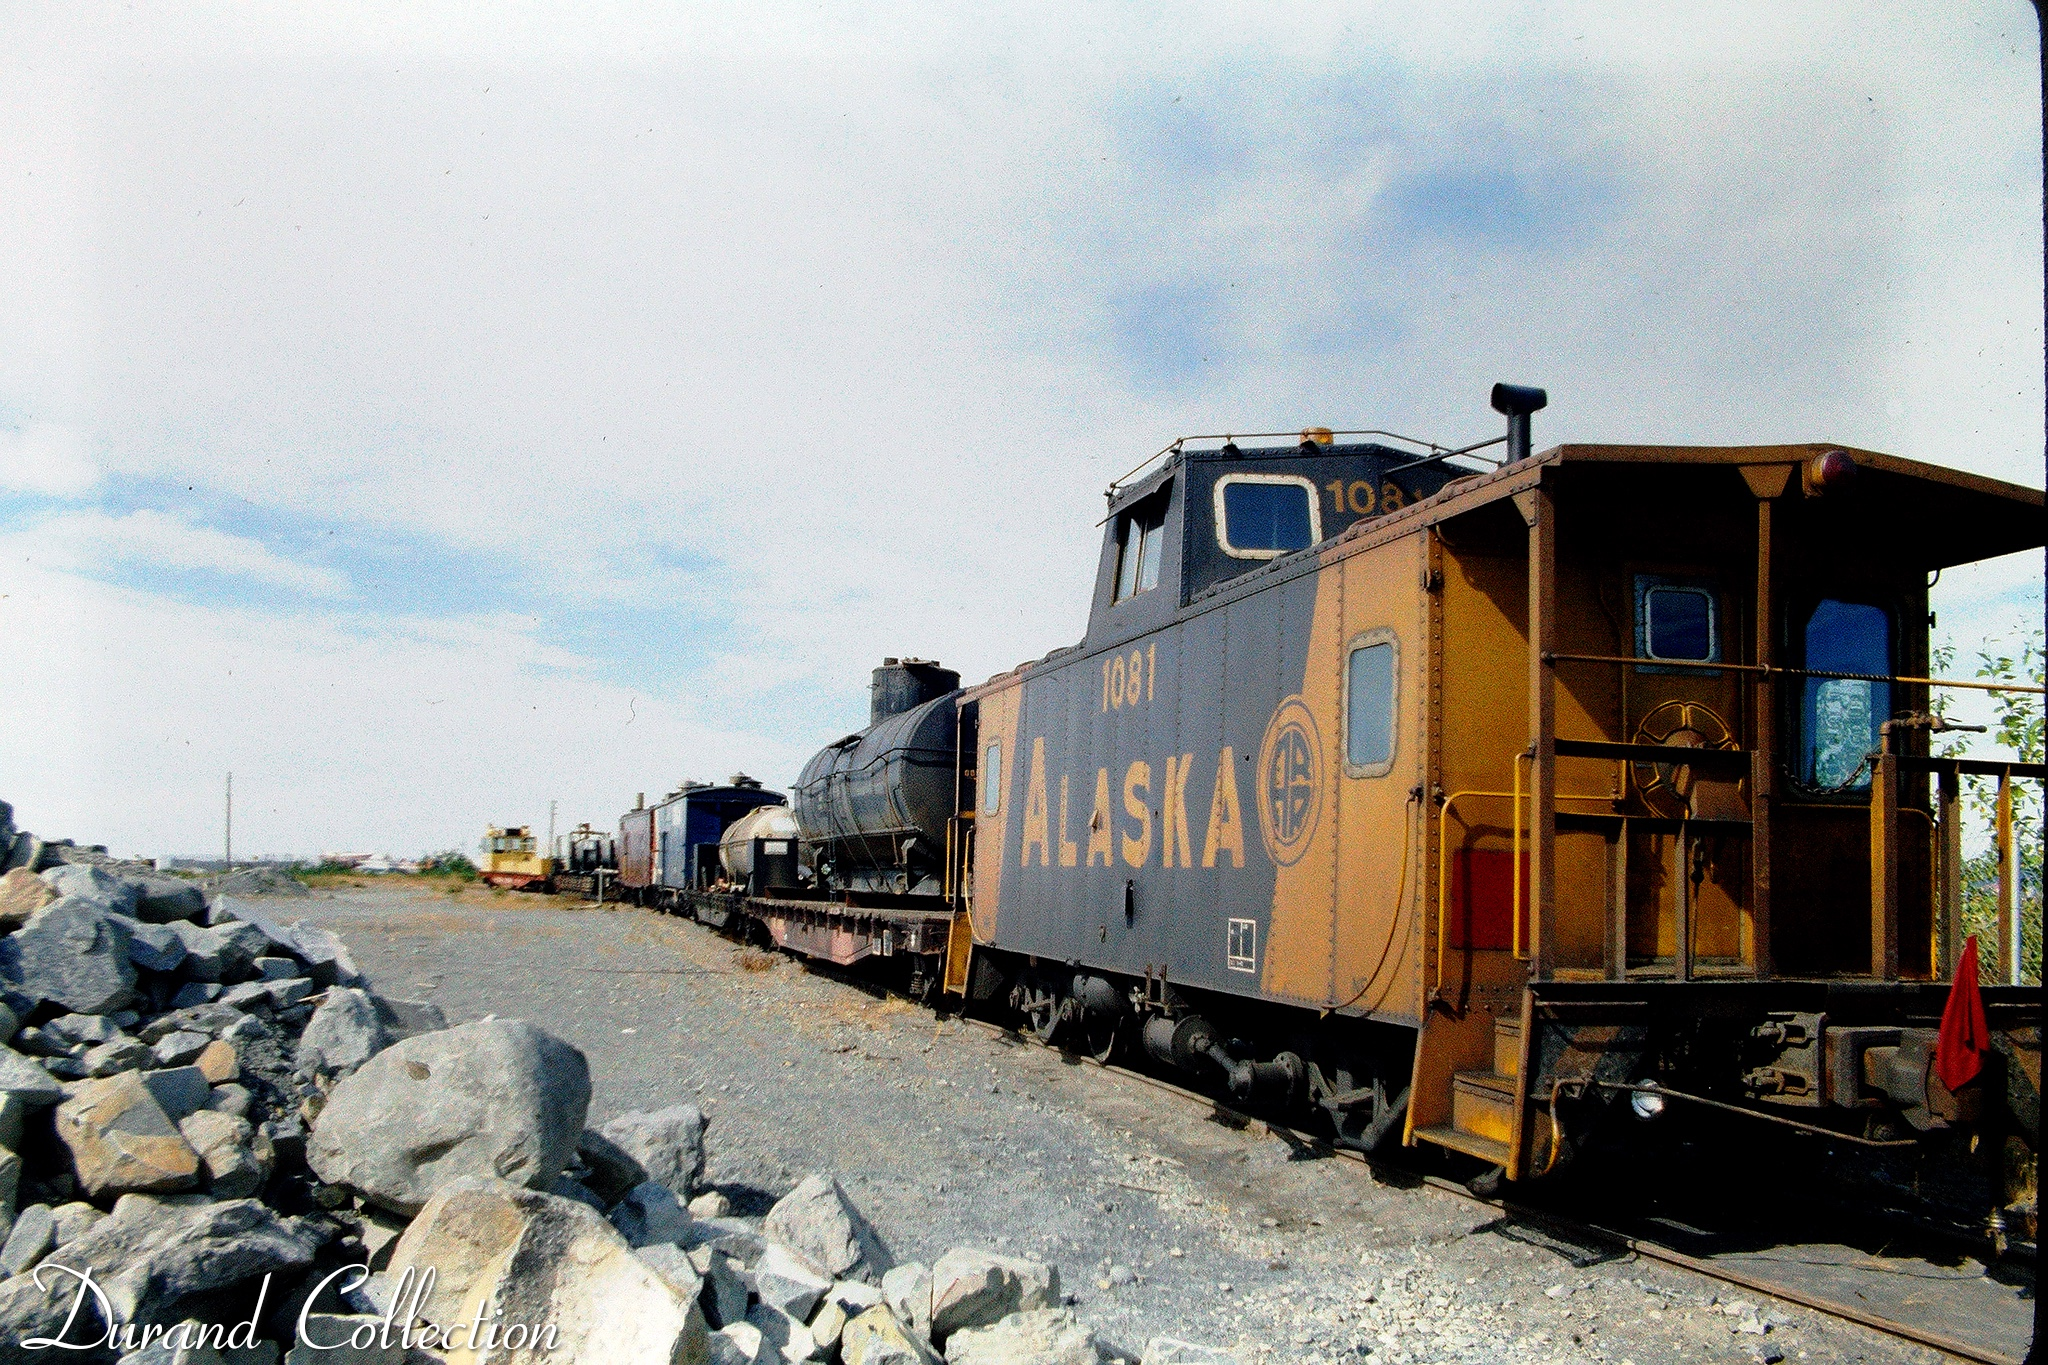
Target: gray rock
[(1043, 1336), (673, 1266), (30, 853), (404, 1019), (89, 1029), (610, 1171), (740, 1343), (876, 1338), (907, 1289), (192, 1342), (13, 1119), (156, 947), (977, 1288), (151, 1253), (179, 1048), (90, 883), (247, 995), (329, 1339), (276, 968), (343, 1034), (211, 1020), (710, 1204), (649, 1214), (230, 1099), (206, 952), (195, 993), (37, 1043), (162, 900), (496, 1097), (10, 1188), (782, 1334), (69, 1222), (566, 1188), (33, 1234), (31, 1313), (247, 1029), (73, 954), (1174, 1351), (787, 1284), (235, 1157), (667, 1143), (179, 1090), (241, 944), (739, 1238), (24, 1079), (290, 991), (727, 1301), (122, 1054), (325, 956), (819, 1223)]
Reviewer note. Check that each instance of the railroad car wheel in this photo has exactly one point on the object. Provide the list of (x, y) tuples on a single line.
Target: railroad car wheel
[(1040, 1008), (1100, 1037)]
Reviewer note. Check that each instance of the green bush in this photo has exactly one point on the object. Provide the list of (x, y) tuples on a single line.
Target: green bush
[(448, 863), (2017, 731)]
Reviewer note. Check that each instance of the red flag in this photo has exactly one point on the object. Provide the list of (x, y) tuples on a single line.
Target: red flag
[(1959, 1055)]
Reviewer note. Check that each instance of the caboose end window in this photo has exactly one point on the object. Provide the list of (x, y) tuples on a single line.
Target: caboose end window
[(1839, 717), (1263, 516)]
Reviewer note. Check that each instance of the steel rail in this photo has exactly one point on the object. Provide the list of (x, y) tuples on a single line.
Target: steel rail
[(1639, 1246), (1655, 1251)]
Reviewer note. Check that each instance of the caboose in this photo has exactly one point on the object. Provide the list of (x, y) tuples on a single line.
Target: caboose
[(1479, 808)]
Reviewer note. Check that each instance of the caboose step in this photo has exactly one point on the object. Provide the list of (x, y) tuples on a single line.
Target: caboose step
[(1483, 1105), (1507, 1045), (1486, 1149)]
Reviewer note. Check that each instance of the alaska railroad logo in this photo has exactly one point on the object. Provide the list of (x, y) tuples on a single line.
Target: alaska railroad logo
[(1290, 781)]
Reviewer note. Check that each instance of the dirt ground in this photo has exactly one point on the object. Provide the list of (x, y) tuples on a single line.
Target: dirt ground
[(1161, 1218)]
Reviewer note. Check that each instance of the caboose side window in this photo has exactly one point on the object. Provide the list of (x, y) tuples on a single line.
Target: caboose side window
[(1839, 717), (1144, 538), (1678, 623), (1371, 693), (1263, 516), (992, 780)]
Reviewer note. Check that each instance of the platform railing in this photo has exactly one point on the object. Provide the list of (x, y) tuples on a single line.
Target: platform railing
[(1888, 771)]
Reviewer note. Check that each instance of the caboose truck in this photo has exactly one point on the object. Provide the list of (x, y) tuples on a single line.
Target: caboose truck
[(1475, 808)]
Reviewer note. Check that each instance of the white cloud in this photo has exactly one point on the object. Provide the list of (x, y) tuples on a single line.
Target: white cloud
[(787, 333), (337, 737), (97, 542), (43, 458)]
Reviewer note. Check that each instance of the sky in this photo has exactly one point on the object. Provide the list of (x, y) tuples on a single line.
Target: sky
[(427, 412)]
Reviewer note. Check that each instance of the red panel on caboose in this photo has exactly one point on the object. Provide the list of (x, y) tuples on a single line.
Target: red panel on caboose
[(1482, 901)]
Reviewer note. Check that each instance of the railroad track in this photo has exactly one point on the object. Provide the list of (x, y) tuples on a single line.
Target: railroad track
[(1567, 1229), (1564, 1226)]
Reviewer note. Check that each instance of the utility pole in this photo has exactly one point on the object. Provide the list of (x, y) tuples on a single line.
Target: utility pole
[(229, 825), (551, 830)]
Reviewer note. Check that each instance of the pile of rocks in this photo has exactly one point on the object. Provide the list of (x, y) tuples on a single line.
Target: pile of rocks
[(246, 1148)]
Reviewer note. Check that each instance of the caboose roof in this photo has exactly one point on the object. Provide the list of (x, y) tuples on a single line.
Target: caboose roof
[(1926, 515)]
